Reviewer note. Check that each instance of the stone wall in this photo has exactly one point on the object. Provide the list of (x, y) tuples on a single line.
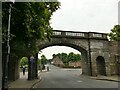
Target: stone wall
[(75, 64), (114, 49), (13, 68), (99, 48)]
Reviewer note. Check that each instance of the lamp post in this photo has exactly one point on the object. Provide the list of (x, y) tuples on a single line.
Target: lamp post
[(5, 72)]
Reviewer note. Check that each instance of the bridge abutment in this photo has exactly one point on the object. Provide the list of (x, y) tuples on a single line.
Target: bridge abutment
[(108, 69), (13, 68), (32, 67)]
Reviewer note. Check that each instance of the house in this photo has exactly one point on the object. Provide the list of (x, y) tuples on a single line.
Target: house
[(57, 61)]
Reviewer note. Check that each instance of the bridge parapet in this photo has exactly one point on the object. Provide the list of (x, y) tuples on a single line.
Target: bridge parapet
[(96, 35), (93, 35), (57, 33)]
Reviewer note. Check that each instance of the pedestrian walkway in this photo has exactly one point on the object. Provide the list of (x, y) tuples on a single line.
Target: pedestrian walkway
[(115, 78), (22, 82)]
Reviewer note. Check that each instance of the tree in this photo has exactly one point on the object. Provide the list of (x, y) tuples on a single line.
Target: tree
[(54, 55), (39, 61), (64, 57), (77, 57), (43, 59), (29, 24), (71, 56), (115, 33), (24, 62), (68, 57)]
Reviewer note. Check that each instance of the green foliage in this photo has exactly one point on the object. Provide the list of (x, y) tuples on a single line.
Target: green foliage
[(68, 57), (43, 60), (71, 56), (39, 61), (115, 33), (64, 57), (77, 57), (30, 23), (24, 62), (53, 55)]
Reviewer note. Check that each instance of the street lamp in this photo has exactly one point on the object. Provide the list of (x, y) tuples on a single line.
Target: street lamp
[(5, 75)]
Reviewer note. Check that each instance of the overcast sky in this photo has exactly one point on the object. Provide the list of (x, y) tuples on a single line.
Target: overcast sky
[(83, 15)]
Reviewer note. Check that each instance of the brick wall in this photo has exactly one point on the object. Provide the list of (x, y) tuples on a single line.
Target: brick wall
[(75, 64)]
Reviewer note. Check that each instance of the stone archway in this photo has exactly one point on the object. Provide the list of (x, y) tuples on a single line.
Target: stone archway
[(84, 54), (23, 62), (101, 69)]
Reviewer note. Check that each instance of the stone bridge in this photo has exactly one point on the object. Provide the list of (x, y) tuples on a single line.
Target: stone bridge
[(99, 56), (93, 47)]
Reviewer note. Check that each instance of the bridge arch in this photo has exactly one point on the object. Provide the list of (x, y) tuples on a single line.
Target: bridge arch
[(81, 49), (101, 67)]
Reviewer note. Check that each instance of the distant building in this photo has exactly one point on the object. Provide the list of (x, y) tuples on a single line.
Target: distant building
[(75, 64), (119, 12), (57, 61)]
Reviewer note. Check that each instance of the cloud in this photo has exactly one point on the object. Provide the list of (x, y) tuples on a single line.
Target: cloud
[(49, 51), (86, 15)]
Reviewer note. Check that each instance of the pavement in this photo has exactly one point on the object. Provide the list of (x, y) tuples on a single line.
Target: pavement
[(114, 78), (22, 82)]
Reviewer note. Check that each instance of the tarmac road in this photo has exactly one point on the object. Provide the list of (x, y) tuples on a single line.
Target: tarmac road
[(71, 78)]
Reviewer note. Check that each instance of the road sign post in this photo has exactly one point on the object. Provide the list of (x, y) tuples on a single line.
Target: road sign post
[(32, 67)]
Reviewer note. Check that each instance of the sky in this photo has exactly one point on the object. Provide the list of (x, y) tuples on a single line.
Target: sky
[(83, 16)]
